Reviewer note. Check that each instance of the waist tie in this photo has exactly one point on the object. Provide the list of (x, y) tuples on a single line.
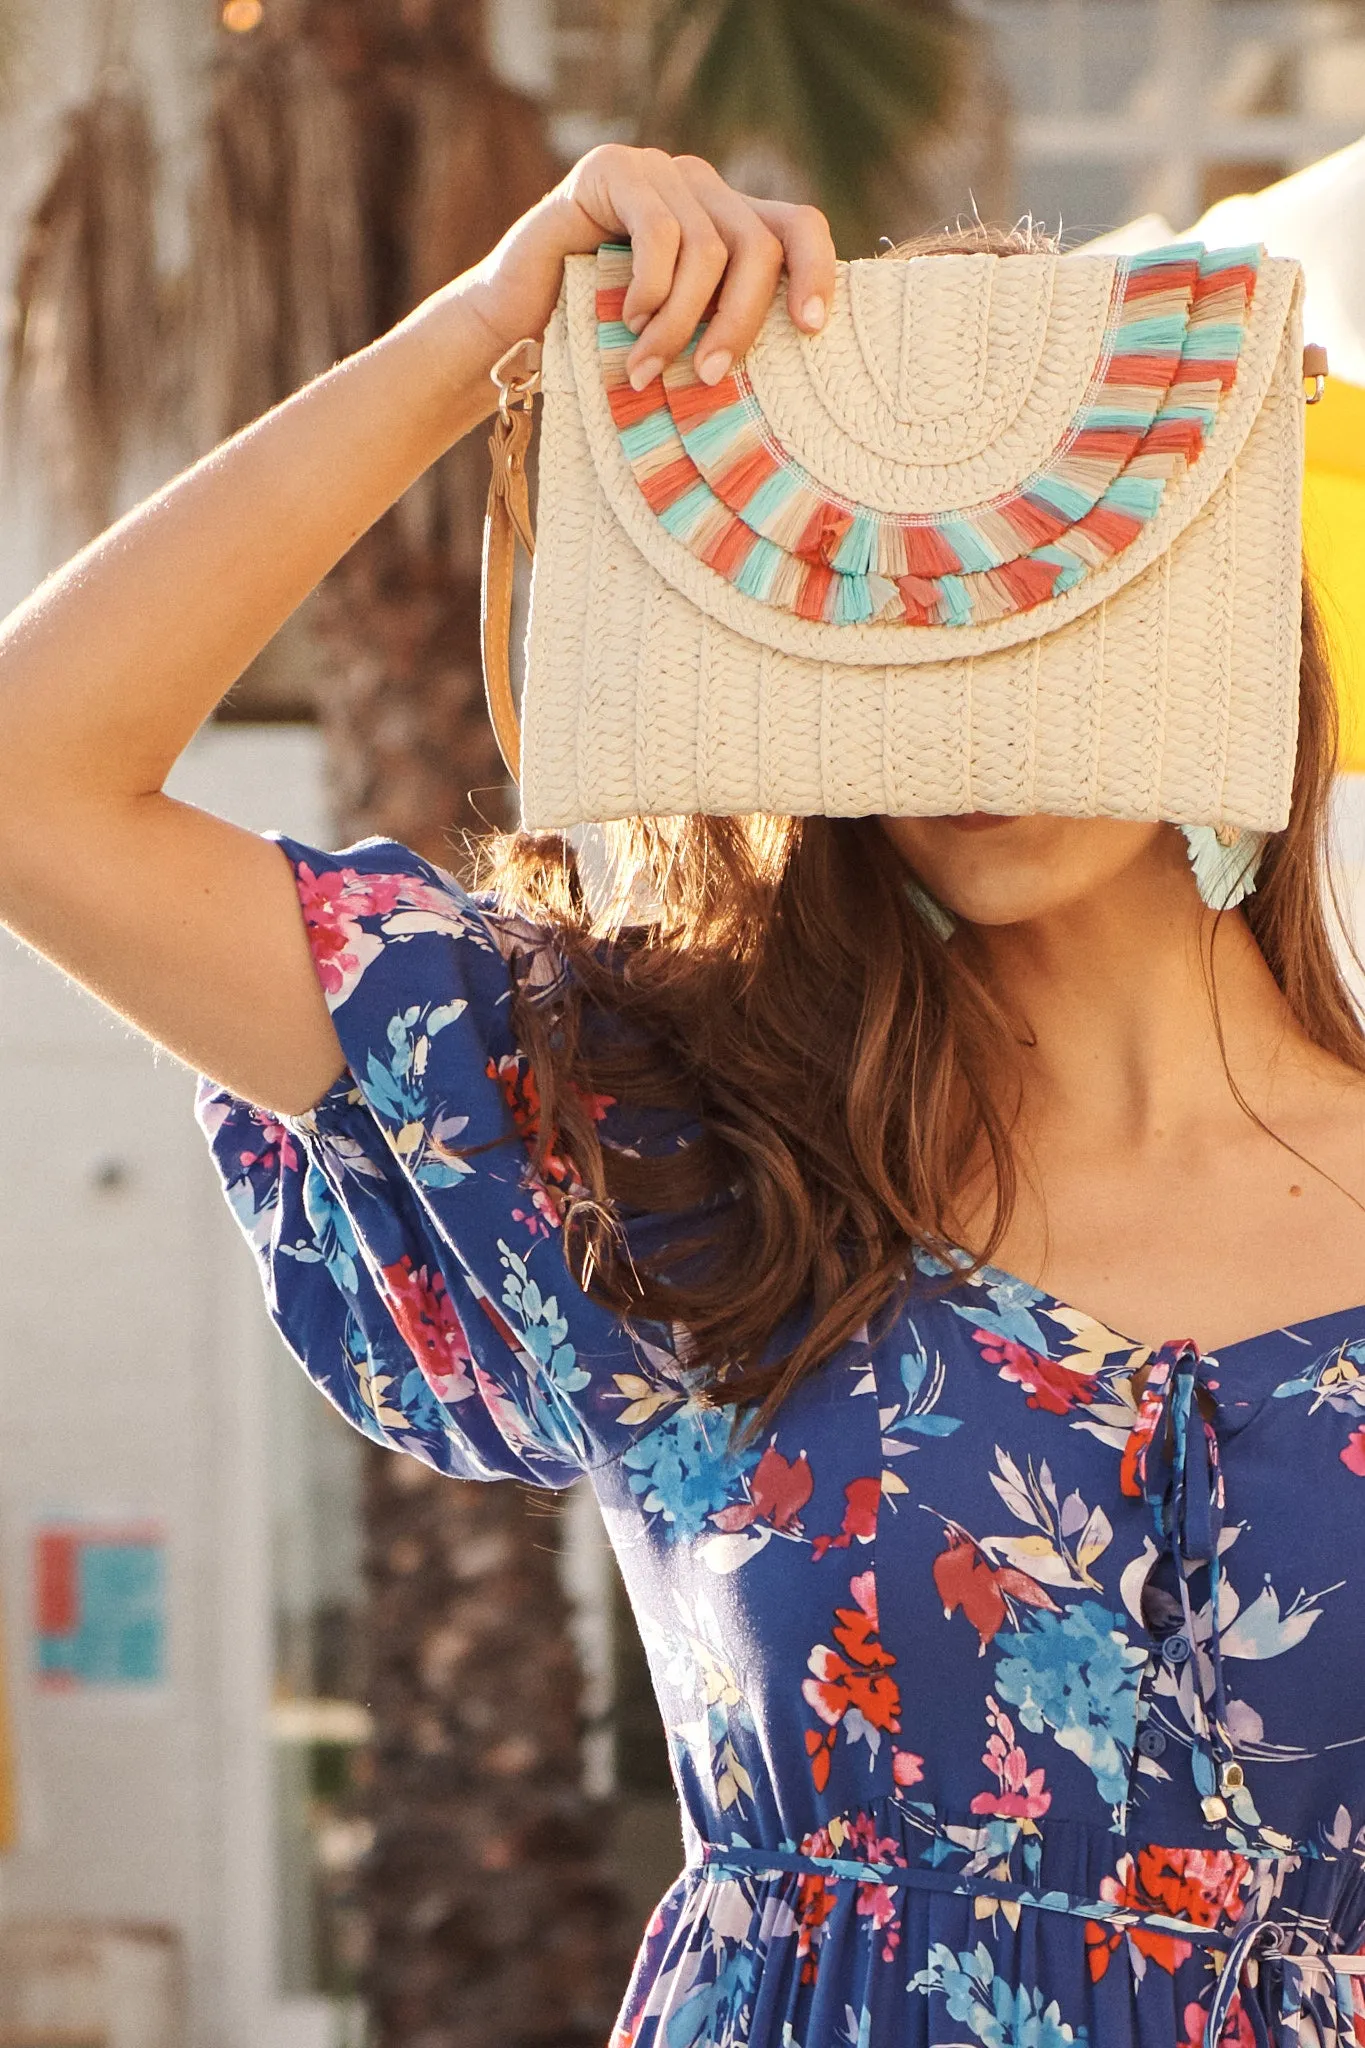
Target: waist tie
[(1253, 1941)]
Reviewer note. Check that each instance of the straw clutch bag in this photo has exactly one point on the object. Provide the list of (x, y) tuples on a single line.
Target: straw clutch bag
[(1010, 534)]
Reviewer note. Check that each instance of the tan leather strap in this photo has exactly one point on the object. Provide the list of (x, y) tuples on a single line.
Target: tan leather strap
[(507, 520)]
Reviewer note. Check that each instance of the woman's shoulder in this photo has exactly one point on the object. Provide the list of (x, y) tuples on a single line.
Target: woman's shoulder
[(376, 895)]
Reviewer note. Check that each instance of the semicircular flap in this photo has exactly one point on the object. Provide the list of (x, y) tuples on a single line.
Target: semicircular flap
[(718, 479)]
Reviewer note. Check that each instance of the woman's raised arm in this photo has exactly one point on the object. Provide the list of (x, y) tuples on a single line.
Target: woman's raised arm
[(186, 925)]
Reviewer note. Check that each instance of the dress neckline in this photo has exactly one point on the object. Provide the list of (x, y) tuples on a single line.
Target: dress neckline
[(1297, 1330)]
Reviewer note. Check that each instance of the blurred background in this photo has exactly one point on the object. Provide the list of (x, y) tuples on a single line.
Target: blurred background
[(299, 1746)]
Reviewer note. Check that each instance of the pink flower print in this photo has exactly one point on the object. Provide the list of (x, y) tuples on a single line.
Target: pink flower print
[(333, 904), (335, 901), (542, 1219), (1019, 1794), (276, 1153), (1049, 1385), (421, 1308), (906, 1767), (879, 1904), (1238, 2031), (855, 1838), (1353, 1457)]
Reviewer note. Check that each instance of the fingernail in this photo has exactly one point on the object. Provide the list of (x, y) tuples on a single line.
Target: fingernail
[(645, 372), (636, 322), (813, 312), (713, 367)]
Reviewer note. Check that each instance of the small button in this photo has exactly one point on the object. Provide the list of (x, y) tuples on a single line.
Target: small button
[(1152, 1742), (1176, 1649)]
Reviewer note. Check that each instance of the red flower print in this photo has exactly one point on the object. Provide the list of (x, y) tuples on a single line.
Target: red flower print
[(1133, 1470), (862, 1498), (778, 1490), (1020, 1794), (1199, 1885), (1056, 1387), (421, 1308), (966, 1578), (557, 1174), (857, 1678), (1353, 1457)]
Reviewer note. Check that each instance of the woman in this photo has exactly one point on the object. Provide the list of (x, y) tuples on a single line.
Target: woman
[(958, 1315)]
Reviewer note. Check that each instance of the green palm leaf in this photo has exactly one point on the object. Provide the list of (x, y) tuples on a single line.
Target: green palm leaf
[(842, 90)]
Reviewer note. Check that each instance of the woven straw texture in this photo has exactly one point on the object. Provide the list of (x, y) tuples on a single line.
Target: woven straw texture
[(1163, 684)]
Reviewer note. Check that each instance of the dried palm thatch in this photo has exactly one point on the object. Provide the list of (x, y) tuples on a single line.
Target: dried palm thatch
[(86, 351), (281, 278)]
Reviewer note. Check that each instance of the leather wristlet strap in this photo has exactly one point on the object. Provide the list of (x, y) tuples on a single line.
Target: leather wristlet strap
[(507, 520)]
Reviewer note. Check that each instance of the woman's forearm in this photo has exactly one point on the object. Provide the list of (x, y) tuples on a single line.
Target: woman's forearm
[(110, 667)]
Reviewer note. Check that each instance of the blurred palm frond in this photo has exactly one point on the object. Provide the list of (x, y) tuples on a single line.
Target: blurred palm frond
[(85, 357), (843, 92)]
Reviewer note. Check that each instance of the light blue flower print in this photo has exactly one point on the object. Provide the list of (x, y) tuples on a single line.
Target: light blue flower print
[(857, 2027), (684, 1468), (334, 1238), (1077, 1675), (1335, 1380), (923, 1384), (716, 2011), (997, 2014), (398, 1087), (357, 1386), (539, 1329), (1012, 1302), (539, 1325)]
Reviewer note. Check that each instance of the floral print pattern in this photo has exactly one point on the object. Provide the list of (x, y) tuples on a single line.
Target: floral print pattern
[(1004, 1708)]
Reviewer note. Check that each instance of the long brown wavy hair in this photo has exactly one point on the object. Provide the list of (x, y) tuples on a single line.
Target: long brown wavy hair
[(767, 981)]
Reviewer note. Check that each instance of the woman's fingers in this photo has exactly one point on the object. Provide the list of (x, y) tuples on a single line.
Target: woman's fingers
[(691, 234), (752, 268), (808, 252)]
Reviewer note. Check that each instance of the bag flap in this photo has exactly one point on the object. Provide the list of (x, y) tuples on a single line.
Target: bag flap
[(972, 452)]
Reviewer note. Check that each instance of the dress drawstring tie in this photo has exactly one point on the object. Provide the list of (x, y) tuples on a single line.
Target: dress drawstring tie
[(1173, 1463), (1248, 1946)]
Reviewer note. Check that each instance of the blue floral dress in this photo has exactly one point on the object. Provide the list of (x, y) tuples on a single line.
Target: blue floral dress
[(1003, 1709)]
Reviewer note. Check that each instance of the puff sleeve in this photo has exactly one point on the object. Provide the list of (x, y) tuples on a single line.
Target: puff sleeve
[(409, 1257)]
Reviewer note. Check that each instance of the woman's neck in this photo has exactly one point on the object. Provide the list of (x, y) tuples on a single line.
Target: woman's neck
[(1121, 1039)]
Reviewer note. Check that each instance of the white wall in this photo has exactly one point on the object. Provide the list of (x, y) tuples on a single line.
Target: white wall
[(135, 1373)]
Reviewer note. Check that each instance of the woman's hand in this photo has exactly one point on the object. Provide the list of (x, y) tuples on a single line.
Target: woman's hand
[(690, 232)]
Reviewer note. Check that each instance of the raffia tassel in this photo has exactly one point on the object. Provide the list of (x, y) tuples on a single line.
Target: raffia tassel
[(716, 476)]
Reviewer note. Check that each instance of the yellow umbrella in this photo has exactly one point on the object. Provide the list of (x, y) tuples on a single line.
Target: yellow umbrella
[(1318, 216)]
